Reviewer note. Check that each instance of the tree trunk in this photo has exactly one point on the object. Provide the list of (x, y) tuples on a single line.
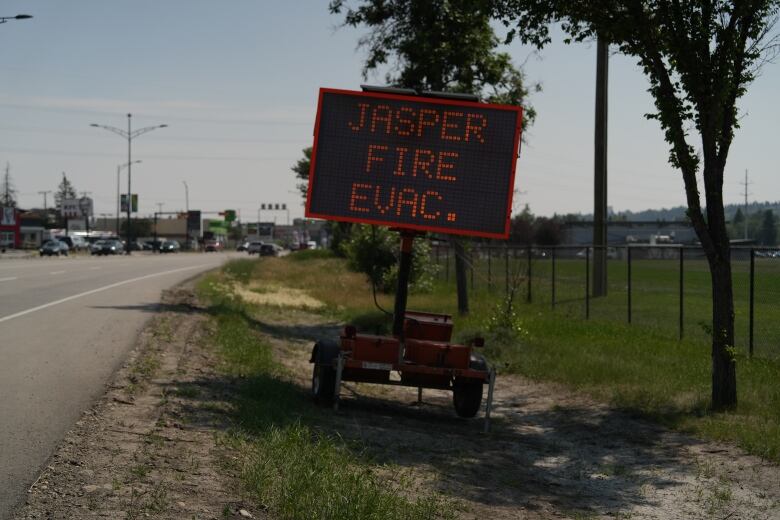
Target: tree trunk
[(460, 276), (724, 372)]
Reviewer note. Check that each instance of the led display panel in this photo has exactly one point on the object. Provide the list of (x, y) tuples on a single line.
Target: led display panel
[(412, 162)]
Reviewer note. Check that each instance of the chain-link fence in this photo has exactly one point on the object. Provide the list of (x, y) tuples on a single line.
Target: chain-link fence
[(664, 287)]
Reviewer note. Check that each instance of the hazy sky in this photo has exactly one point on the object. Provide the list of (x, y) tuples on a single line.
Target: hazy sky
[(237, 83)]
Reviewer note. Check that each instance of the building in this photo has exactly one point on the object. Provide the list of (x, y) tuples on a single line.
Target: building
[(632, 232), (10, 228)]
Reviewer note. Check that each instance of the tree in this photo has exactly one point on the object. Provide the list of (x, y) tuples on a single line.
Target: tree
[(64, 191), (7, 190), (521, 229), (768, 232), (438, 45), (301, 169), (699, 57)]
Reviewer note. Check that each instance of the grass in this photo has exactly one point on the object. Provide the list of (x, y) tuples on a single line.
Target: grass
[(639, 367), (288, 461)]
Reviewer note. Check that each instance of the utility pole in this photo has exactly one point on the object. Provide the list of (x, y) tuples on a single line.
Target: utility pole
[(44, 193), (745, 193), (600, 171), (159, 206)]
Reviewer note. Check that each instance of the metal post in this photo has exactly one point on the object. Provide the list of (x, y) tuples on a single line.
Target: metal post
[(682, 271), (129, 233), (752, 298), (155, 246), (553, 277), (118, 169), (337, 390), (628, 276), (528, 256), (587, 283), (404, 268)]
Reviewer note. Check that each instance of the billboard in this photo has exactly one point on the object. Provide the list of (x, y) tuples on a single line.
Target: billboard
[(123, 203), (413, 162), (76, 208), (8, 216)]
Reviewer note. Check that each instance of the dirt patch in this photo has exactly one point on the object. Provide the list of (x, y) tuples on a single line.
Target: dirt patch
[(550, 454), (150, 447), (278, 296)]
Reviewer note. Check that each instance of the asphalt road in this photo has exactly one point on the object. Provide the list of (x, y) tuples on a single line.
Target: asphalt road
[(66, 324)]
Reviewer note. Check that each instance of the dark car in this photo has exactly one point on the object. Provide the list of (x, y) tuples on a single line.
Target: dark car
[(170, 246), (107, 247), (268, 250), (54, 247), (214, 246)]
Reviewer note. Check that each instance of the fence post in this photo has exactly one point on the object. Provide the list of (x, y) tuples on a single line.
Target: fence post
[(752, 294), (682, 270), (628, 276), (490, 278), (506, 268), (528, 297), (447, 264), (587, 283), (553, 276), (471, 258)]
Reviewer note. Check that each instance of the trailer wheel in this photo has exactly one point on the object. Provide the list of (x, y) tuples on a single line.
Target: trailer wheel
[(467, 392), (323, 377), (323, 383)]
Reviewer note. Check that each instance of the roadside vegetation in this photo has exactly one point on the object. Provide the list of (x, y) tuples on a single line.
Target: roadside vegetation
[(638, 368), (290, 463)]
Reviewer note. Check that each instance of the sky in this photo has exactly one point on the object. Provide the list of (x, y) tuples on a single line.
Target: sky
[(236, 82)]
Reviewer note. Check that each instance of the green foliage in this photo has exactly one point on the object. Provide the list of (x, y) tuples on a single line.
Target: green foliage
[(768, 233), (309, 254), (339, 235), (301, 170), (374, 251), (442, 45)]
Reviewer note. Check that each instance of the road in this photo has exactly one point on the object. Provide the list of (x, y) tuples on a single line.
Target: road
[(66, 324)]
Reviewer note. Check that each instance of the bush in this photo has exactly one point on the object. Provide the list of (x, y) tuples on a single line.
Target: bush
[(374, 251)]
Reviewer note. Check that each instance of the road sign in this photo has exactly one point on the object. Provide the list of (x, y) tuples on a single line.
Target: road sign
[(412, 162)]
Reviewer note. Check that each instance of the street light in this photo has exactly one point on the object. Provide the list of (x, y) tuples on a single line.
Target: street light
[(4, 19), (119, 168), (129, 134)]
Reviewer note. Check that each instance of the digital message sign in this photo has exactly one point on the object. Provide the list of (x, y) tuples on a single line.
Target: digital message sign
[(412, 162)]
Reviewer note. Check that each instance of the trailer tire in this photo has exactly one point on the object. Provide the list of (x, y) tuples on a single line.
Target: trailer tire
[(323, 377), (467, 392)]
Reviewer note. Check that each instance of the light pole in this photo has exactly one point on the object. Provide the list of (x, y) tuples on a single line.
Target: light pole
[(129, 134), (4, 19), (118, 197), (187, 208)]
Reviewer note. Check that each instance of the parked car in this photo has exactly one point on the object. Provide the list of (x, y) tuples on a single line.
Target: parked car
[(74, 242), (170, 246), (213, 246), (269, 250), (254, 248), (54, 247), (107, 247), (153, 245)]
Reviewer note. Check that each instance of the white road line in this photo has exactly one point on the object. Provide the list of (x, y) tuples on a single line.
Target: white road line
[(8, 279), (56, 272), (99, 289)]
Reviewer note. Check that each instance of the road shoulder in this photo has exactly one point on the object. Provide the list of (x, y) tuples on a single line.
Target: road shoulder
[(148, 447)]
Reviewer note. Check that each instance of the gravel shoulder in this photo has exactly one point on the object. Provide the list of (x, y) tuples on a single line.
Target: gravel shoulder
[(150, 448)]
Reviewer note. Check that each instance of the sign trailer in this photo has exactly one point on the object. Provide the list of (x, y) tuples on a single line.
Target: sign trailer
[(434, 163)]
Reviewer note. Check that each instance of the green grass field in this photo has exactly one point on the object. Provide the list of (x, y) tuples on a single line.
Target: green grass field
[(655, 294), (643, 367)]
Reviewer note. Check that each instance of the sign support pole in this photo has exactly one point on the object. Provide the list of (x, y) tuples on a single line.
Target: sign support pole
[(404, 269)]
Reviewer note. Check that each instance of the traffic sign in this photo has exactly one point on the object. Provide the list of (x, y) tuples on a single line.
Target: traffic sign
[(413, 162)]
